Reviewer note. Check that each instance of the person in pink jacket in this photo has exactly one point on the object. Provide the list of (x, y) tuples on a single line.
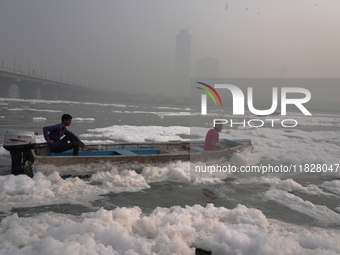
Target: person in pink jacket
[(212, 137)]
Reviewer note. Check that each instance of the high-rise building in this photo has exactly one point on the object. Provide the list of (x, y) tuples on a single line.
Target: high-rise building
[(207, 67), (182, 64)]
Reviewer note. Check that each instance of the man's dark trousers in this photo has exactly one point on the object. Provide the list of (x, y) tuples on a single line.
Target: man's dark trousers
[(63, 145)]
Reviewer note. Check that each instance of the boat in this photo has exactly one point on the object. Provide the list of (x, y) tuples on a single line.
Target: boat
[(137, 155), (125, 155)]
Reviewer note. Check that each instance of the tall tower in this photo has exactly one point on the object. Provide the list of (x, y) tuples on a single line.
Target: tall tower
[(182, 64)]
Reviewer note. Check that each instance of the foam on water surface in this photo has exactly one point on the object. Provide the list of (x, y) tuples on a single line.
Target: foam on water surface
[(178, 229), (175, 230), (47, 187)]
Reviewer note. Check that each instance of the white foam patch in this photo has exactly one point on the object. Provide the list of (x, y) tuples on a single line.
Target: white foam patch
[(112, 105), (39, 119), (325, 120), (297, 148), (16, 109), (98, 142), (139, 133), (22, 191), (172, 108), (290, 185), (174, 230), (279, 193), (3, 151), (183, 172), (126, 180), (33, 110), (83, 119), (149, 133), (178, 171), (36, 110), (247, 158), (160, 114), (48, 188), (258, 180), (333, 186)]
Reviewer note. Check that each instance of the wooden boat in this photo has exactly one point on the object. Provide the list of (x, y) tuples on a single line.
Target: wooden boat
[(136, 155)]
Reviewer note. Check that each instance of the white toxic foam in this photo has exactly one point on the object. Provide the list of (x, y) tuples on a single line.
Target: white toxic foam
[(23, 191), (279, 192), (16, 109), (83, 119), (3, 151), (39, 119), (298, 147), (333, 186), (30, 109), (138, 133), (47, 187), (175, 230)]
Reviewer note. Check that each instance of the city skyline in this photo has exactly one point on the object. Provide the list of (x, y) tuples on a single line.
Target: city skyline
[(131, 46)]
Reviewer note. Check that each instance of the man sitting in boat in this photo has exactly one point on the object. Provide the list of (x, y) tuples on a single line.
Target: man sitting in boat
[(52, 135), (212, 137)]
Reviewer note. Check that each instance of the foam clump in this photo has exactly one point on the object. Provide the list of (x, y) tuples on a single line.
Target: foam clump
[(185, 172), (175, 230), (280, 193), (244, 159), (138, 133), (23, 191), (175, 171), (3, 151), (126, 180), (47, 187), (39, 119), (333, 186), (297, 147), (289, 185), (83, 119)]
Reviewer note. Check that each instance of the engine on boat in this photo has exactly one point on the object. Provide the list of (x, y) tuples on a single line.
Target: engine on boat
[(20, 143)]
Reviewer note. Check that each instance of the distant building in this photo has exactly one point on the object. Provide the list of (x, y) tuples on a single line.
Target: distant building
[(207, 67), (182, 64)]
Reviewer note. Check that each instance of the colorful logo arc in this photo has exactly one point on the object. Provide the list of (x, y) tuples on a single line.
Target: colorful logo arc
[(208, 92)]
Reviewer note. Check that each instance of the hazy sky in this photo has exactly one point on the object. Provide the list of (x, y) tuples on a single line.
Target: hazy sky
[(130, 45)]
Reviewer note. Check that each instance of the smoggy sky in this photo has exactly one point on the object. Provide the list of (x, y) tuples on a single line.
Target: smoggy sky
[(130, 45)]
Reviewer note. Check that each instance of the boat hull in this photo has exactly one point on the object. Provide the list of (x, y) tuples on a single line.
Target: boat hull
[(168, 152)]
